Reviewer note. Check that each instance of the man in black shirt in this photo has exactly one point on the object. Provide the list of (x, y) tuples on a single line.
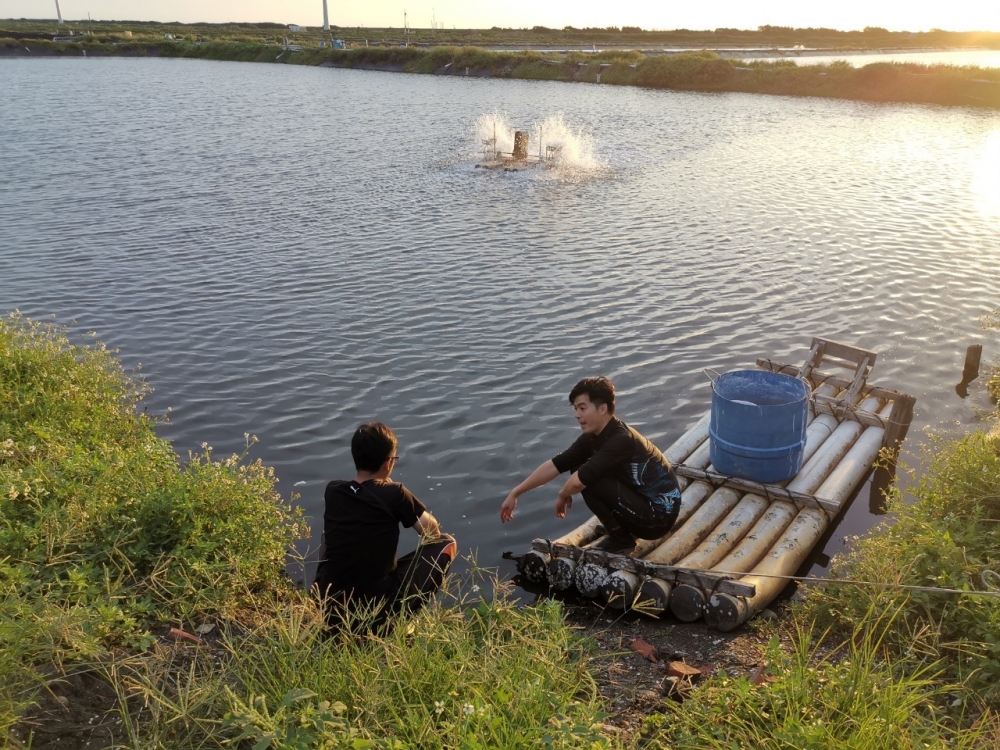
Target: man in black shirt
[(358, 564), (624, 479)]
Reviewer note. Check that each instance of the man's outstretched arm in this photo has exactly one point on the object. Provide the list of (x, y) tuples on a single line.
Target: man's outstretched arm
[(542, 475)]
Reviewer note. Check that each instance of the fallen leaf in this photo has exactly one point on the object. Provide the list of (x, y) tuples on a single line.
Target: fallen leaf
[(646, 650)]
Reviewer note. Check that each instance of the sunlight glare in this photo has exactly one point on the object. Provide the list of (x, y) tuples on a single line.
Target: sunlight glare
[(986, 179)]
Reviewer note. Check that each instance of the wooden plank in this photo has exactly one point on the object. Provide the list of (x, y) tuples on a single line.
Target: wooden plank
[(818, 378), (827, 405), (860, 378), (853, 354), (769, 492), (899, 423), (812, 361)]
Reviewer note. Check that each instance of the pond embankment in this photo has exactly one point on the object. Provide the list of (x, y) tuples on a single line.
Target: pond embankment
[(696, 71)]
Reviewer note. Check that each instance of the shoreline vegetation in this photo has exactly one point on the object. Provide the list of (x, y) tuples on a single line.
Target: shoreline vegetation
[(145, 605), (699, 70)]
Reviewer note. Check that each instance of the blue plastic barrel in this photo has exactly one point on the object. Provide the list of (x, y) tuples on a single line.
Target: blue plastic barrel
[(758, 425)]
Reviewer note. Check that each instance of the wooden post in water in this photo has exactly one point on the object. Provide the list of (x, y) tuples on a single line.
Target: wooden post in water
[(520, 145), (973, 358)]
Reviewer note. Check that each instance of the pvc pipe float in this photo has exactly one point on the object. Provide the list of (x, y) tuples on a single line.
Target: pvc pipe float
[(726, 612), (769, 528), (534, 564), (750, 550), (686, 600), (701, 523), (697, 548)]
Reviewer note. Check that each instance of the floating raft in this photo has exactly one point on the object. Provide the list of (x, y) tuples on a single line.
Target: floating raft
[(735, 540)]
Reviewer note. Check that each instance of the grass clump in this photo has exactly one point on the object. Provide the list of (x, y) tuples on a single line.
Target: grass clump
[(948, 536), (104, 532), (455, 675), (856, 696)]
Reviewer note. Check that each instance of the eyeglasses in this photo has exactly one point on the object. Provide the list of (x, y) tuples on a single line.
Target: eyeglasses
[(393, 458)]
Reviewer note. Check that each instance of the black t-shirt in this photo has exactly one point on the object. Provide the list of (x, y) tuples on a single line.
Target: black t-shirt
[(361, 529), (620, 452)]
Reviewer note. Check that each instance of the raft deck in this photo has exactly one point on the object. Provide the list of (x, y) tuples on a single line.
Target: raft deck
[(736, 540)]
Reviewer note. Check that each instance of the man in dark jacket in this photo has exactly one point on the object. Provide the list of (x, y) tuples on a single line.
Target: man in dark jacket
[(358, 566), (624, 479)]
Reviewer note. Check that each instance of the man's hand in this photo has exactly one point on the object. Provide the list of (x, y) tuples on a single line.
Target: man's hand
[(563, 504), (507, 509)]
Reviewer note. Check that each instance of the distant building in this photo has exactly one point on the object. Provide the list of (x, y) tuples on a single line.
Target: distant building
[(294, 27)]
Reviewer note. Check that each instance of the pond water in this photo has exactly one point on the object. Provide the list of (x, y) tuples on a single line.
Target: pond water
[(981, 58), (291, 251)]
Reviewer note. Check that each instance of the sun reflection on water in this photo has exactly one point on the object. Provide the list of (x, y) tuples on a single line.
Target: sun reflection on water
[(986, 176)]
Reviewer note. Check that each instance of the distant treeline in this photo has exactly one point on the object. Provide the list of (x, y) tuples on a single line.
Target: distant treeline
[(697, 71), (871, 37)]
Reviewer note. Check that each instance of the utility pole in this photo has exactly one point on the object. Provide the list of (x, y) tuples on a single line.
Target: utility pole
[(58, 12), (326, 18)]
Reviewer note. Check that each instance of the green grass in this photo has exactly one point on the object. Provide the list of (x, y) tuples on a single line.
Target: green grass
[(854, 696), (105, 532), (455, 675), (947, 535), (108, 535), (695, 71)]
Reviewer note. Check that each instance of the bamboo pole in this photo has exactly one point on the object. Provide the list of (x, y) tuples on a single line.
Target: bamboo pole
[(725, 612)]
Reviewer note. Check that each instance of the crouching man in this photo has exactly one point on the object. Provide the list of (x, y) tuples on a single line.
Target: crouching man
[(624, 479), (358, 571)]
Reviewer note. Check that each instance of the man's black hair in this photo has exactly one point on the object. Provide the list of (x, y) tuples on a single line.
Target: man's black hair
[(372, 445), (599, 390)]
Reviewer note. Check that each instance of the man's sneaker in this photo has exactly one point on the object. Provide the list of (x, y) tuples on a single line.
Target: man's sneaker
[(617, 545)]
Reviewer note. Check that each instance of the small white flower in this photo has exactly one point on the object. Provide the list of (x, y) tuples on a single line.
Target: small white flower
[(439, 707), (469, 709), (475, 589)]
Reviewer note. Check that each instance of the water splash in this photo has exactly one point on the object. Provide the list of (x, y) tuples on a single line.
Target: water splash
[(576, 149), (573, 151), (489, 126)]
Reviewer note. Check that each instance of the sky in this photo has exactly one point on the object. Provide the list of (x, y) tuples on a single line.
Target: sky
[(898, 15)]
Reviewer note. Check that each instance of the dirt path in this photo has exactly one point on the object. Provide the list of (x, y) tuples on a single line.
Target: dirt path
[(635, 686)]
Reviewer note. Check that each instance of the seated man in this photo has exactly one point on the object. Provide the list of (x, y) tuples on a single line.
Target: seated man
[(358, 565), (624, 479)]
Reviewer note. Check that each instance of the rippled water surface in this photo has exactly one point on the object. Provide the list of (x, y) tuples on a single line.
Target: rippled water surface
[(292, 251)]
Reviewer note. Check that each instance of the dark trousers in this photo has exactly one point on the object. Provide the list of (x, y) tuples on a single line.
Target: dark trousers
[(418, 575), (625, 512)]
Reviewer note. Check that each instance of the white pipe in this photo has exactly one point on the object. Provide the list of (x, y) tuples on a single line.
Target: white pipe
[(688, 545), (58, 12), (326, 18), (725, 611)]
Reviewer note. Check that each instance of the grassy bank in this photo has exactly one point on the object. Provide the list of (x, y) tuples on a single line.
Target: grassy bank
[(869, 38), (109, 538), (699, 71)]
